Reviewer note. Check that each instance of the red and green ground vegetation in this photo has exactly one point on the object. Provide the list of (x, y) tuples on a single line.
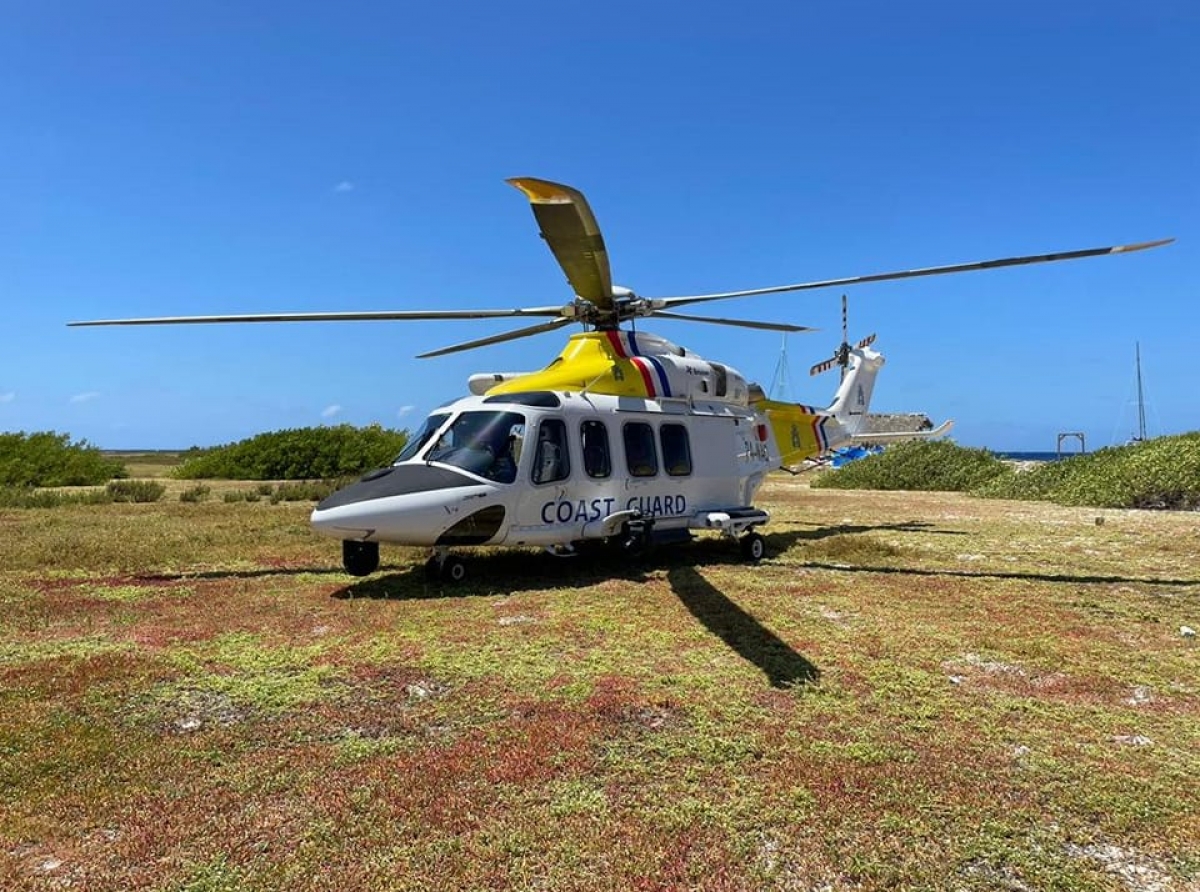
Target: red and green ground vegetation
[(918, 691)]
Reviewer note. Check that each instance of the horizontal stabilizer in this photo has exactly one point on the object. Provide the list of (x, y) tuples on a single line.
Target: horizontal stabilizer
[(893, 436)]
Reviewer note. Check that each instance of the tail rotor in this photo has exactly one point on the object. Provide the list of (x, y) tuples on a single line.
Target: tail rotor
[(841, 356)]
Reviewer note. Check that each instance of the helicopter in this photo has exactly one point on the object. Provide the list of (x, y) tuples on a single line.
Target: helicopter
[(624, 440)]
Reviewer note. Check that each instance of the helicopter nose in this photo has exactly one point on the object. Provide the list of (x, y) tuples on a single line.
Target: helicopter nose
[(356, 521), (400, 504), (398, 480)]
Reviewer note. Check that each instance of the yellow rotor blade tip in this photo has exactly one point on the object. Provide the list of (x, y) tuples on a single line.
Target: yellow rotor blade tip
[(541, 191)]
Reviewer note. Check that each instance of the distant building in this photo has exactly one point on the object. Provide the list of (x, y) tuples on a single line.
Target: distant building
[(894, 423)]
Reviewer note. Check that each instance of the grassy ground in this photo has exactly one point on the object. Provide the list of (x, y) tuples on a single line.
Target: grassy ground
[(915, 691)]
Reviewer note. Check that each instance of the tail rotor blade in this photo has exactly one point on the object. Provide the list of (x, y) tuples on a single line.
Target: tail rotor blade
[(823, 366)]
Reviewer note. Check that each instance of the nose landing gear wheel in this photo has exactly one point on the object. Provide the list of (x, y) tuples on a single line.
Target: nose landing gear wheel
[(754, 547), (360, 558)]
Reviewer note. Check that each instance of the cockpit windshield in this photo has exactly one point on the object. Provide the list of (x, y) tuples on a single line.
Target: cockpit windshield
[(486, 443), (418, 440)]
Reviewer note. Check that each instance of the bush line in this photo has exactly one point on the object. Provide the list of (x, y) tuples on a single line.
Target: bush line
[(309, 453), (1163, 473)]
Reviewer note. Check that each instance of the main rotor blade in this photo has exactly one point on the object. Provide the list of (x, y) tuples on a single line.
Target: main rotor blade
[(743, 323), (382, 315), (571, 231), (498, 339), (915, 273)]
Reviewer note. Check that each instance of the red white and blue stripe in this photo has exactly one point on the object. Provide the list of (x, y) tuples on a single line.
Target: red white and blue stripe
[(654, 375)]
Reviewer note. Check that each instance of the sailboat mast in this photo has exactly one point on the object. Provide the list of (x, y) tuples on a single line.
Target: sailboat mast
[(1141, 398), (780, 383)]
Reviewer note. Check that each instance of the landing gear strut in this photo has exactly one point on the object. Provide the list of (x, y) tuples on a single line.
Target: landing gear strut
[(636, 536), (360, 558)]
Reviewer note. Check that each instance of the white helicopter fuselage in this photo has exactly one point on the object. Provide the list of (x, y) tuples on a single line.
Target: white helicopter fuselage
[(696, 460), (625, 437)]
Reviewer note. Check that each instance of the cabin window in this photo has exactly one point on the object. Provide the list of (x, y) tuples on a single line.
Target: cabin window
[(551, 462), (640, 457), (597, 462), (484, 443), (676, 450)]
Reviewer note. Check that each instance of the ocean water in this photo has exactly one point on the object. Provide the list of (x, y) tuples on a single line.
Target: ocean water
[(1032, 456)]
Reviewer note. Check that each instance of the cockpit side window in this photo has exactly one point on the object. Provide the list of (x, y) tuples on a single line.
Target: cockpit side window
[(640, 455), (487, 444), (418, 440), (551, 461), (597, 462)]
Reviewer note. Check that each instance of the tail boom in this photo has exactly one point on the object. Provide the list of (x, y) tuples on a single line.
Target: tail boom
[(800, 432), (803, 432)]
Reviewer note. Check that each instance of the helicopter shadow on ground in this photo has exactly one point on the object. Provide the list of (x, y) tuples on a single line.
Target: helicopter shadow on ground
[(496, 574), (740, 631), (1072, 578), (505, 573), (781, 540), (817, 531), (257, 573)]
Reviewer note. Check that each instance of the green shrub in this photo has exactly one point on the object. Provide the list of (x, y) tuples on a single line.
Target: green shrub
[(243, 495), (311, 453), (197, 493), (135, 490), (307, 491), (1159, 473), (52, 459), (29, 497), (918, 465)]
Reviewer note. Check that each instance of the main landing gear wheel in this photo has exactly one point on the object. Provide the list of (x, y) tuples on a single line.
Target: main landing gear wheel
[(446, 569), (454, 570), (754, 547), (360, 558), (635, 537)]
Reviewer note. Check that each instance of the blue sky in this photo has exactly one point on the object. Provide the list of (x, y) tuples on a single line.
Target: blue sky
[(169, 159)]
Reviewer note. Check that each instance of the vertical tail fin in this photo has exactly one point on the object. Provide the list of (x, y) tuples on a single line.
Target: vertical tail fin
[(853, 397)]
